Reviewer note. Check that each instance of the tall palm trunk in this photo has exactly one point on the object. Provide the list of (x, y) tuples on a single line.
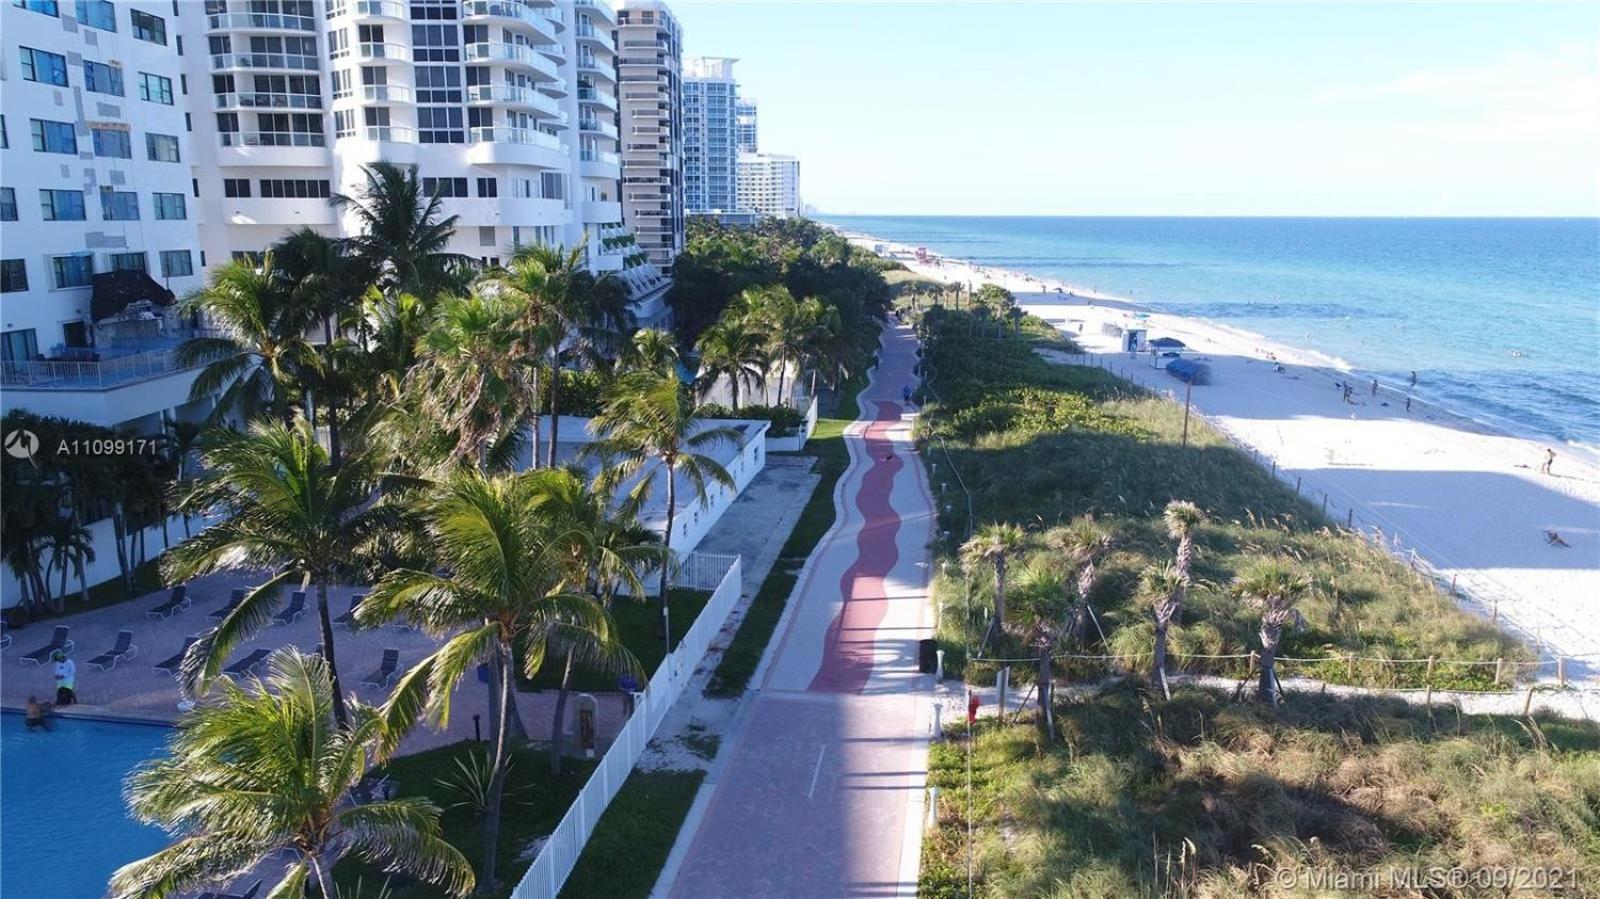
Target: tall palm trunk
[(998, 622), (561, 711), (783, 372), (733, 387), (1047, 724), (555, 408), (119, 526), (326, 624), (334, 451), (497, 780), (1159, 662), (666, 543), (1267, 687)]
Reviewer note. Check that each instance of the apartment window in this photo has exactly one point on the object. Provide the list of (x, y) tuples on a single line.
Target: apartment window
[(76, 270), (339, 43), (8, 204), (97, 14), (486, 235), (254, 257), (176, 263), (295, 189), (341, 83), (102, 79), (155, 88), (44, 67), (435, 43), (13, 275), (170, 207), (119, 205), (161, 147), (114, 143), (129, 262), (228, 123), (445, 187), (488, 187), (194, 184), (344, 122), (440, 125), (5, 139), (62, 205), (48, 7), (148, 28), (438, 84), (376, 116), (18, 346), (236, 187)]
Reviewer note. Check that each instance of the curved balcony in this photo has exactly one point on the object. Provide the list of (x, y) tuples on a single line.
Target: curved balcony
[(272, 139), (256, 21), (599, 98), (587, 32), (556, 88), (384, 51), (509, 12), (596, 67), (555, 51), (596, 9), (599, 164), (287, 62), (511, 95), (388, 134), (274, 211), (379, 9), (598, 127), (600, 211), (515, 146), (383, 93), (272, 148), (511, 55), (269, 101)]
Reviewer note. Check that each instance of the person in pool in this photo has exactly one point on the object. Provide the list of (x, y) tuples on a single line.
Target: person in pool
[(66, 678), (36, 712)]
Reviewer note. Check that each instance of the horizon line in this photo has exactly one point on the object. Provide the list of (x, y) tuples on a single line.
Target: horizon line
[(1144, 215)]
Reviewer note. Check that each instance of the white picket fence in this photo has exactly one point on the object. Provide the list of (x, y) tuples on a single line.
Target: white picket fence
[(560, 852)]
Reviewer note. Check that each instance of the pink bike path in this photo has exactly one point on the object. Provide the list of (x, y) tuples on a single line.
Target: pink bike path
[(820, 792)]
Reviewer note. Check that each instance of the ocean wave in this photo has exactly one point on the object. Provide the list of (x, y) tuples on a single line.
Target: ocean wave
[(1277, 310)]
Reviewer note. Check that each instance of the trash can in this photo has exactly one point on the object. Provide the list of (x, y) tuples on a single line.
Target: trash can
[(927, 655)]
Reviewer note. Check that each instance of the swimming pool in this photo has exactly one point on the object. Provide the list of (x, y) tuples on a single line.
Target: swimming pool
[(63, 826)]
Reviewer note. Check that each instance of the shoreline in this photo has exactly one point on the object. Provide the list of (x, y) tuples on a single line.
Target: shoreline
[(1461, 498)]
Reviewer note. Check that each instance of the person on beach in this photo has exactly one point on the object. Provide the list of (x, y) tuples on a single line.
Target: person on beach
[(1413, 379), (1374, 386), (1408, 403), (1549, 460), (1554, 539)]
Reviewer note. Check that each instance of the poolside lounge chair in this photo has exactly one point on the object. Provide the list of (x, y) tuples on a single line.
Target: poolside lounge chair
[(386, 672), (121, 652), (233, 603), (57, 641), (171, 666), (248, 664), (348, 619), (176, 602), (292, 612)]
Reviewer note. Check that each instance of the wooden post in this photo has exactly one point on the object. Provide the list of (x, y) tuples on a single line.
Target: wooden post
[(1499, 667), (1527, 704), (1561, 670), (1452, 585), (1350, 520), (1430, 670), (1324, 503), (1494, 613), (1350, 666), (1188, 391), (1427, 698), (1253, 658), (1297, 484)]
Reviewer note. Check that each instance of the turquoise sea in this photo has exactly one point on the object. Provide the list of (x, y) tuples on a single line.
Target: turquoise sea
[(1499, 317)]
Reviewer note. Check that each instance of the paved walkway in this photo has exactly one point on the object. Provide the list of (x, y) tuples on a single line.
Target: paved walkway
[(820, 794)]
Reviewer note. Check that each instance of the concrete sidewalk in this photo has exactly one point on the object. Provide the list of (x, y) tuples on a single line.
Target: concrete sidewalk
[(820, 792)]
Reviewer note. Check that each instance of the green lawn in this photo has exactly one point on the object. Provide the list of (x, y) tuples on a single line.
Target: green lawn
[(146, 579), (1038, 444), (535, 802), (633, 838), (639, 623), (1203, 797)]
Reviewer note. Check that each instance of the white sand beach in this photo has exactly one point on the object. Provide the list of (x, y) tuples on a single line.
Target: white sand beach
[(1469, 501)]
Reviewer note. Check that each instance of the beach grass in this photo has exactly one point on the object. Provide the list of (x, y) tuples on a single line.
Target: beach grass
[(1202, 796), (1039, 443), (633, 838)]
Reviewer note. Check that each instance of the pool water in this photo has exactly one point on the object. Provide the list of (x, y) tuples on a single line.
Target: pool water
[(63, 825)]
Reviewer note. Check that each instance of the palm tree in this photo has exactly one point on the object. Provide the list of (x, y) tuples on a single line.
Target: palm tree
[(281, 506), (1081, 543), (262, 772), (1183, 523), (404, 233), (735, 349), (1276, 588), (652, 349), (995, 544), (795, 327), (470, 378), (1041, 595), (648, 415), (507, 589), (253, 366), (1163, 588), (607, 546)]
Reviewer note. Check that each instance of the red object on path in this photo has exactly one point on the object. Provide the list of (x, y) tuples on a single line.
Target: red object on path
[(972, 707)]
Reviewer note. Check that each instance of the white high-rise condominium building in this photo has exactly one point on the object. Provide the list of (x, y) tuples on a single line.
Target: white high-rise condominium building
[(744, 124), (98, 217), (769, 183), (710, 146), (649, 44), (506, 107)]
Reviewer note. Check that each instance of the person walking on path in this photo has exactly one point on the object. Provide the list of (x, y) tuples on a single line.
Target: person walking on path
[(1549, 460), (66, 679), (1374, 386)]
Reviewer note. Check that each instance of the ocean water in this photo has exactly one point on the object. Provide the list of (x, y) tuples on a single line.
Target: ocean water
[(1500, 318)]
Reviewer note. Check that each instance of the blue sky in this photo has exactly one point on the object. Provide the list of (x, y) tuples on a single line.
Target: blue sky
[(1173, 109)]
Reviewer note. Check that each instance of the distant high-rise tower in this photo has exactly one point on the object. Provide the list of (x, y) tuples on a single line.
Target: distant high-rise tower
[(744, 115), (769, 183), (710, 150), (650, 48)]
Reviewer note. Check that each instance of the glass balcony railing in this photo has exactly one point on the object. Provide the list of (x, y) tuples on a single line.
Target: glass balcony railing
[(125, 361), (386, 93), (269, 101), (272, 139), (294, 61), (506, 135), (394, 134), (260, 21), (600, 156)]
